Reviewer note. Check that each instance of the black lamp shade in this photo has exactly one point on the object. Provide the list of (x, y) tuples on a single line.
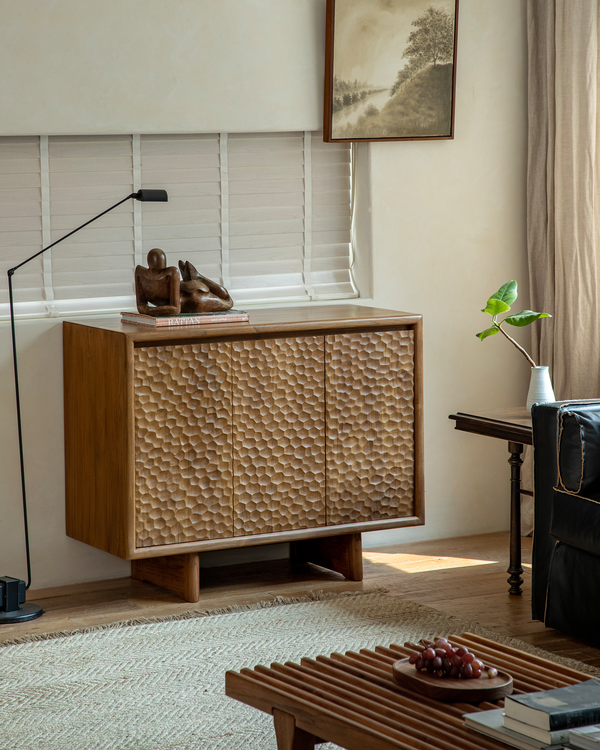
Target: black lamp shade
[(151, 195)]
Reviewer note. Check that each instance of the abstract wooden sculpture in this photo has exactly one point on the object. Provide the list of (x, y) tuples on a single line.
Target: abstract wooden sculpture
[(161, 291), (199, 294), (157, 287)]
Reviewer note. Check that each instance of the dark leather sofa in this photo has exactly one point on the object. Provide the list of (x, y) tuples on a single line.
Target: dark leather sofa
[(566, 536)]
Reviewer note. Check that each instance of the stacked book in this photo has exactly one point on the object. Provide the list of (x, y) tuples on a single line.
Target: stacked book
[(186, 319), (587, 738), (549, 719)]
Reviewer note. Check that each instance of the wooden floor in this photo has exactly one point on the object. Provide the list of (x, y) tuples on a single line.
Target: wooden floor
[(465, 577)]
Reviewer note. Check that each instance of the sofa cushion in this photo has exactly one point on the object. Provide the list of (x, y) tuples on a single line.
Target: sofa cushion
[(576, 521), (571, 602), (579, 450)]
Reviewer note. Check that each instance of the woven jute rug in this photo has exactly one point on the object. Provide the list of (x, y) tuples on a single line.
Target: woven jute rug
[(159, 684)]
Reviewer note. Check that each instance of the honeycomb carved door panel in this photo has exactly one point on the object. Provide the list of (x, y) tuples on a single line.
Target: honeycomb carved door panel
[(370, 426), (278, 434), (183, 443)]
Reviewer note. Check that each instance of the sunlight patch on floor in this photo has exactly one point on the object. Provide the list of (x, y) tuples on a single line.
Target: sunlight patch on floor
[(423, 563)]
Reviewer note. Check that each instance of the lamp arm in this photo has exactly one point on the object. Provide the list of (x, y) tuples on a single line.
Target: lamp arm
[(11, 271), (141, 195), (19, 428), (10, 274)]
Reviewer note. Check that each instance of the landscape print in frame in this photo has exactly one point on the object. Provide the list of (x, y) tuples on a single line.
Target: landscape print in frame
[(390, 70)]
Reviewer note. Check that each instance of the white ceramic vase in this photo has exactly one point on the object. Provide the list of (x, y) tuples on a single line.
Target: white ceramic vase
[(540, 387)]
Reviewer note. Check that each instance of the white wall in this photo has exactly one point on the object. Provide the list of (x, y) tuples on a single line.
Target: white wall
[(448, 228), (150, 66)]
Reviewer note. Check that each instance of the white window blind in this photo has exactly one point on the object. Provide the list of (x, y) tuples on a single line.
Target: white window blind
[(21, 220), (87, 175), (188, 227), (269, 215)]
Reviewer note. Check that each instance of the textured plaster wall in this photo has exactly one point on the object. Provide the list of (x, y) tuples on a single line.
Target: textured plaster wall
[(447, 225)]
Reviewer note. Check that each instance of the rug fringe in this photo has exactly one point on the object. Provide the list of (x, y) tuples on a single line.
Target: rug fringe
[(448, 623), (277, 601)]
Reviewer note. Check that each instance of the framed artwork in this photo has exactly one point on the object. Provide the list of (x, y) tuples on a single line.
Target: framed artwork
[(390, 70)]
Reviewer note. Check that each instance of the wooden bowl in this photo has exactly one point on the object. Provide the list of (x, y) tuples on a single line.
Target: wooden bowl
[(444, 689)]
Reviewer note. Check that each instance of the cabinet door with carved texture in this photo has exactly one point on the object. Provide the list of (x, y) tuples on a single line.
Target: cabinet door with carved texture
[(370, 426), (183, 482), (278, 434)]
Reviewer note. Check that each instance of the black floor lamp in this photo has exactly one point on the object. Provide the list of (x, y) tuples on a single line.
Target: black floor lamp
[(13, 607)]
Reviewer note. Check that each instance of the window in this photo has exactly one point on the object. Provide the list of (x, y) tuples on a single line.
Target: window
[(268, 214)]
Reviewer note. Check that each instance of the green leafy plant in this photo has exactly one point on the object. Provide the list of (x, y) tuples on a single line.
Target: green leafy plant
[(500, 303)]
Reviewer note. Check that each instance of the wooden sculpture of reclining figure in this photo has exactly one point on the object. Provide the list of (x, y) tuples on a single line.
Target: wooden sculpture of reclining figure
[(199, 294), (157, 287), (160, 290)]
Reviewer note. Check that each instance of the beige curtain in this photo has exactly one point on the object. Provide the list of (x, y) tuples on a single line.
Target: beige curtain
[(563, 191)]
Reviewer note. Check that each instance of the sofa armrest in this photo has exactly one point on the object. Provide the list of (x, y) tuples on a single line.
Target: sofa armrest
[(566, 442), (578, 448), (576, 520), (545, 475)]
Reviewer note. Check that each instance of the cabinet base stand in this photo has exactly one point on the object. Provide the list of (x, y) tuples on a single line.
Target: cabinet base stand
[(343, 554), (177, 573), (181, 573)]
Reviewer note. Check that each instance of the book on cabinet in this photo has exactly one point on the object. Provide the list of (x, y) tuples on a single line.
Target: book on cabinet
[(186, 319)]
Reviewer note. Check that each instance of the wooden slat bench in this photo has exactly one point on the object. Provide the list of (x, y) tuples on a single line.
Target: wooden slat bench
[(351, 699)]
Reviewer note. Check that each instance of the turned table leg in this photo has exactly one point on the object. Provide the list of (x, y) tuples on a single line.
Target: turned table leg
[(289, 737), (514, 568)]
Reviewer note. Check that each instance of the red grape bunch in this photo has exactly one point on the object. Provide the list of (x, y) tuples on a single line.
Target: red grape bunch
[(441, 659)]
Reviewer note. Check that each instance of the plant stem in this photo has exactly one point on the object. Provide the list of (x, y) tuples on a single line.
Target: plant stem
[(520, 348)]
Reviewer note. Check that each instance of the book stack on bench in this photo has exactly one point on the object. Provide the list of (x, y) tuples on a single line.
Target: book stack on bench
[(587, 738), (549, 719)]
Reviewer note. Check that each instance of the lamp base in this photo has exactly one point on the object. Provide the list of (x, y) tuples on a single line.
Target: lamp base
[(22, 614), (13, 607)]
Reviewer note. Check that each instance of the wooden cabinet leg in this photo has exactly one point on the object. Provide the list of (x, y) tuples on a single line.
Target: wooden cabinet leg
[(177, 573), (340, 553), (289, 737)]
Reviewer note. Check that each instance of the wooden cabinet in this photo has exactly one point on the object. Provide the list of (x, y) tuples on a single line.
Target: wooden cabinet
[(303, 425)]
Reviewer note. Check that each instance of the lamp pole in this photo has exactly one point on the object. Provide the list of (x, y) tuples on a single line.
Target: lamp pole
[(13, 607)]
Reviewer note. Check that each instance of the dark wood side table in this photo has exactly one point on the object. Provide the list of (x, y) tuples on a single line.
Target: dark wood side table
[(514, 425)]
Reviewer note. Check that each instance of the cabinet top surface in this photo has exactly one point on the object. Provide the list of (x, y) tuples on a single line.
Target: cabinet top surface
[(263, 321)]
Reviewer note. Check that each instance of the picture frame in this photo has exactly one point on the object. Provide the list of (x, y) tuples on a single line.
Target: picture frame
[(390, 70)]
